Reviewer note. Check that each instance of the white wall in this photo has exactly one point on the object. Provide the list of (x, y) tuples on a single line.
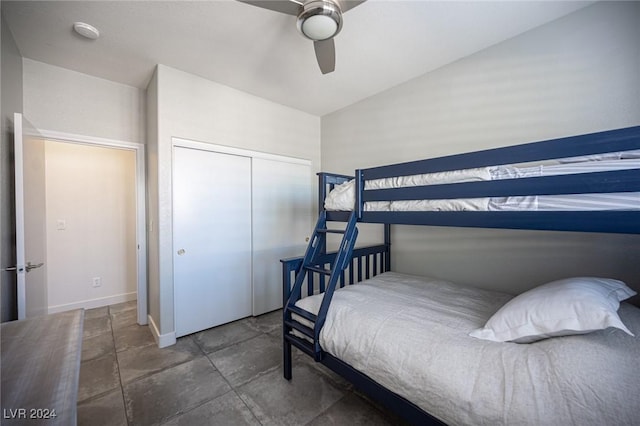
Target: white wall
[(68, 101), (91, 189), (193, 108), (576, 75)]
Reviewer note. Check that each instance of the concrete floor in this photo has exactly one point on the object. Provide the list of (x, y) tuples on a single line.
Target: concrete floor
[(227, 375)]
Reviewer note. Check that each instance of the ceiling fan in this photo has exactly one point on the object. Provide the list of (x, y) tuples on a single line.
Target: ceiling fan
[(318, 20)]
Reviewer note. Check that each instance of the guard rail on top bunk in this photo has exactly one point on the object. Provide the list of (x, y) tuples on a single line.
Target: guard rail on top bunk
[(326, 183), (610, 221)]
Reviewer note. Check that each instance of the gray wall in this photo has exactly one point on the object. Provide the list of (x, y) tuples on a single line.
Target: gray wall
[(576, 75), (190, 107), (58, 99), (153, 266), (11, 75)]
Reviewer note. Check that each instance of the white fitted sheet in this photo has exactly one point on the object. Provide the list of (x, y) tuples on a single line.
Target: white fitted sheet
[(410, 334)]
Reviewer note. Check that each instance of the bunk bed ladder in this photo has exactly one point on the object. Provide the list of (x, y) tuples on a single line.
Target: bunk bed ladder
[(307, 325)]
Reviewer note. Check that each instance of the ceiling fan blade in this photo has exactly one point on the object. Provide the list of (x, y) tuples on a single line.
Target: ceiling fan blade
[(326, 55), (290, 7), (349, 4)]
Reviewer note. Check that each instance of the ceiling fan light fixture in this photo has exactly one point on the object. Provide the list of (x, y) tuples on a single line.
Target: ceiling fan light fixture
[(320, 20), (319, 27)]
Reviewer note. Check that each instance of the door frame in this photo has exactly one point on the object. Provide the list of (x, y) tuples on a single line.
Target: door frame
[(140, 196)]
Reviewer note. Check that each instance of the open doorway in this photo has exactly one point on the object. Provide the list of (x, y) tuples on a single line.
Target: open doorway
[(96, 239)]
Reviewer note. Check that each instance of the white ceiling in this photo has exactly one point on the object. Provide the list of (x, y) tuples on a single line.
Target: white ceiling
[(382, 43)]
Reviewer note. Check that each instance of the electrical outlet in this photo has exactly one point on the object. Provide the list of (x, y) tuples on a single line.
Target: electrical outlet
[(97, 282)]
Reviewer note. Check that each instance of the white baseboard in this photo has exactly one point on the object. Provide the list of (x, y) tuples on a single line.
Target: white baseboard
[(93, 303), (163, 340)]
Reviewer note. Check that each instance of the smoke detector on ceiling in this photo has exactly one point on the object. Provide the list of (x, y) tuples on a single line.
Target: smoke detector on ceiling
[(86, 30)]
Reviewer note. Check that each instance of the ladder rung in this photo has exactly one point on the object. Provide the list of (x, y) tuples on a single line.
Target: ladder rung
[(331, 231), (300, 327), (319, 270), (301, 312), (302, 344)]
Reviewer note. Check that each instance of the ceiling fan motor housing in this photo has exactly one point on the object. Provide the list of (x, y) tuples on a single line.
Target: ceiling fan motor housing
[(320, 20)]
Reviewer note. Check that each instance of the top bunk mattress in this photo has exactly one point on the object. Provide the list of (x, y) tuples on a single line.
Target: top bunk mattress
[(342, 197), (410, 334)]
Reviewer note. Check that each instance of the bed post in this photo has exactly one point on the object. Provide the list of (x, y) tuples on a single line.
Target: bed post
[(288, 266), (322, 191), (387, 243), (359, 204), (286, 352)]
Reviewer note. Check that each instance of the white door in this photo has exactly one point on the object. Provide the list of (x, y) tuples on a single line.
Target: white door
[(281, 223), (211, 238), (30, 219)]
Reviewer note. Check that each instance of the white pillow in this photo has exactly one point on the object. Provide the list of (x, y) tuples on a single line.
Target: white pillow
[(341, 197), (559, 308)]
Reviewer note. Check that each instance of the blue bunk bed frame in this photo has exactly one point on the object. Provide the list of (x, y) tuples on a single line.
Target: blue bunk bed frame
[(320, 271)]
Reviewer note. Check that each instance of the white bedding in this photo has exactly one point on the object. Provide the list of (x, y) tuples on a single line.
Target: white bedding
[(410, 334), (343, 196)]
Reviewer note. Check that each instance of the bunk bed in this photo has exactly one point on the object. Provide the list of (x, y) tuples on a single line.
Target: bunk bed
[(433, 351)]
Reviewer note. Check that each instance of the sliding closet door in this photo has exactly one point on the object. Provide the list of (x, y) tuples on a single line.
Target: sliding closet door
[(281, 223), (211, 238)]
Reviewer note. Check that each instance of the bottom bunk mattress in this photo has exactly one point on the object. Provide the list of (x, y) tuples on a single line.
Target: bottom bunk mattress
[(410, 334)]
